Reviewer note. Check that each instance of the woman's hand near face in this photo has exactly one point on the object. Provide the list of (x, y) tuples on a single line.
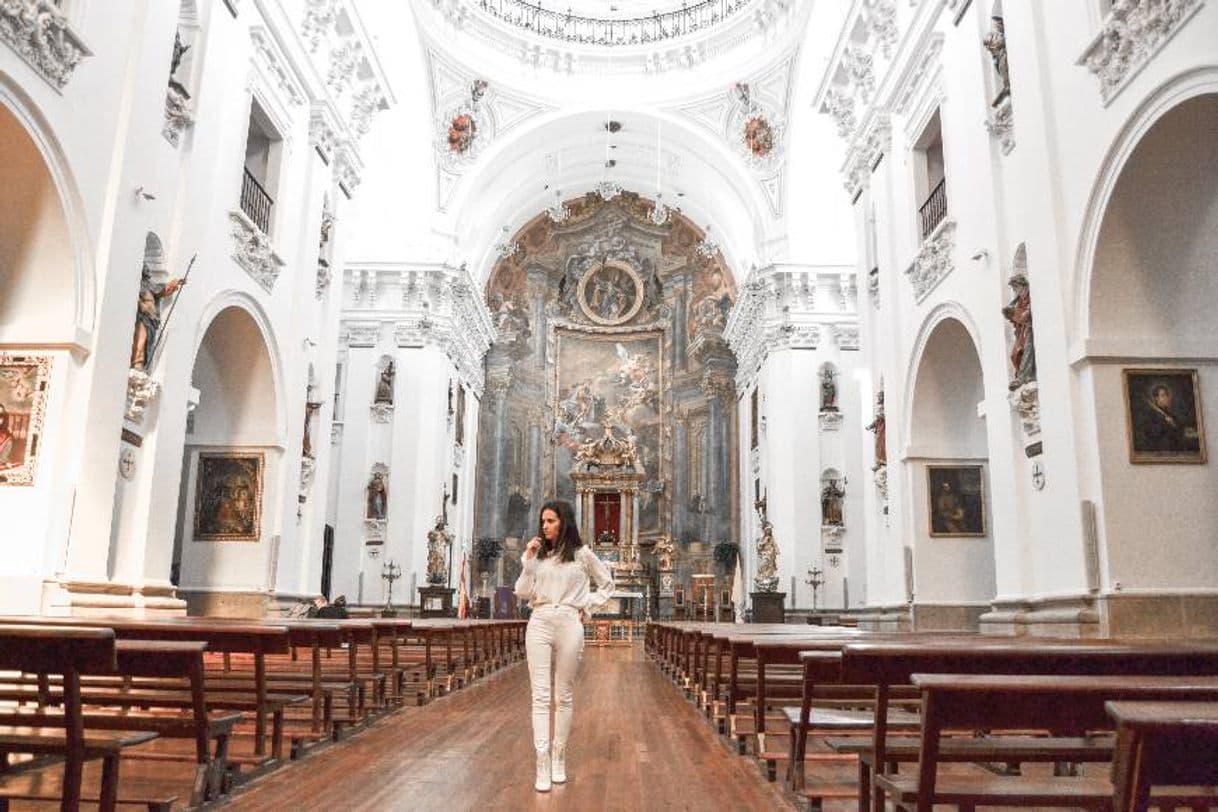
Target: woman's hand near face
[(530, 550)]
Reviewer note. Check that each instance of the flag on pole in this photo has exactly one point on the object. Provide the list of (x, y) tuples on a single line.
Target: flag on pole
[(738, 588), (462, 593)]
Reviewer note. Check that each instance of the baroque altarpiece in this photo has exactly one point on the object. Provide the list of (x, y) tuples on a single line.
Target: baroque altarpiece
[(610, 386)]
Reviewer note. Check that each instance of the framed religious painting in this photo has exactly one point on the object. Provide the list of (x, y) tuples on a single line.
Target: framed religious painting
[(956, 500), (23, 394), (1163, 416), (228, 496)]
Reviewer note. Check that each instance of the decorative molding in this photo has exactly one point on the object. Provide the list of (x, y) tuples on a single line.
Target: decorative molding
[(348, 168), (178, 115), (935, 260), (830, 421), (252, 250), (916, 76), (425, 305), (41, 35), (1000, 123), (360, 333), (1132, 33), (382, 412), (873, 287), (1026, 402), (778, 309), (141, 391), (336, 433), (831, 537), (321, 17), (881, 484), (323, 132), (846, 336), (274, 66), (374, 531), (866, 155)]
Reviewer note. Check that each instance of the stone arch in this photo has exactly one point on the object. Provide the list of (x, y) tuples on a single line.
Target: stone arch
[(1149, 282), (237, 437), (946, 466), (47, 293), (1168, 96)]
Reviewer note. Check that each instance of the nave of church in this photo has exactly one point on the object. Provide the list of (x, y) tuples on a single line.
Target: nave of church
[(342, 341)]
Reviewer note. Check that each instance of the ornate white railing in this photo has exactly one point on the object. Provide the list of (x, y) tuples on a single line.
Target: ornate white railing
[(571, 27)]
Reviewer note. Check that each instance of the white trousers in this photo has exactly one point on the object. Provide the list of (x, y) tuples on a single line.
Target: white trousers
[(555, 635)]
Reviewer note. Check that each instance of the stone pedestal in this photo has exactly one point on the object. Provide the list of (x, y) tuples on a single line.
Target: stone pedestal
[(435, 601), (768, 607)]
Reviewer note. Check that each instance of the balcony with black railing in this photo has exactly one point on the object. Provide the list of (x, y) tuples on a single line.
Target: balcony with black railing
[(256, 203), (932, 212)]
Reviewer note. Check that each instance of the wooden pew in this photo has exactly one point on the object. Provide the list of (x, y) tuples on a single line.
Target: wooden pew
[(892, 663), (1064, 705), (1163, 743), (224, 637), (69, 652), (110, 707)]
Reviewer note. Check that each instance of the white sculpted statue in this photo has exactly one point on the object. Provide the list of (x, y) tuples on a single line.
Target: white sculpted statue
[(767, 560)]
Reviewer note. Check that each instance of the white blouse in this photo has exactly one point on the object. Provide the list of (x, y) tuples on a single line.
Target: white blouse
[(552, 580)]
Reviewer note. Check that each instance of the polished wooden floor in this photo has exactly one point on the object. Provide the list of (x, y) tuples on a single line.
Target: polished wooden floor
[(637, 745)]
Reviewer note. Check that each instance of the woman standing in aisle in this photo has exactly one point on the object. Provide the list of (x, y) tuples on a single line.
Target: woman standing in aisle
[(558, 572)]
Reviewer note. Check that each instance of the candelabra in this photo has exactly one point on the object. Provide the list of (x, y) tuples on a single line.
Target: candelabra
[(815, 579), (390, 572)]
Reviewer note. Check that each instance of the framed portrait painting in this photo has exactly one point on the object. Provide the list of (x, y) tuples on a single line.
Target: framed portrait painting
[(23, 390), (1163, 416), (228, 497), (956, 496)]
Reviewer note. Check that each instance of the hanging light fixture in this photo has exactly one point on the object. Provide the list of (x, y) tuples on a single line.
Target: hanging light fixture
[(558, 210), (608, 188), (659, 212)]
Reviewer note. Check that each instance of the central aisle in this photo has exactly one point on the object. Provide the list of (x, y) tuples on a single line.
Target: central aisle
[(637, 745)]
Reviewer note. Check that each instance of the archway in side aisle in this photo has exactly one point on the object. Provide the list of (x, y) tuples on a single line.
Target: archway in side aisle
[(230, 501), (1150, 372), (45, 308), (947, 475)]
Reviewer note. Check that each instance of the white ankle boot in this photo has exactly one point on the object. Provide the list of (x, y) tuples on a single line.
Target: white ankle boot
[(558, 767), (543, 770)]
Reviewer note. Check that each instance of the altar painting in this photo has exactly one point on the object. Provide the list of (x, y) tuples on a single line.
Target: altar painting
[(615, 383)]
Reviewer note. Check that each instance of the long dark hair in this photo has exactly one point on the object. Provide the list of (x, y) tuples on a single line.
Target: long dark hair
[(568, 531)]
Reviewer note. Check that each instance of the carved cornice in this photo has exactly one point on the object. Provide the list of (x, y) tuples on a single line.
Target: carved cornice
[(41, 35), (862, 159), (253, 251), (779, 309), (425, 305), (275, 67), (1133, 32), (934, 262)]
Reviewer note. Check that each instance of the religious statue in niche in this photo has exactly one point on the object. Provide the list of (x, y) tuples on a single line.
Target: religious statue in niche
[(377, 497), (832, 495), (767, 552), (384, 385), (148, 318), (439, 540), (828, 390), (878, 425), (996, 43), (1019, 314), (175, 61), (311, 408)]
